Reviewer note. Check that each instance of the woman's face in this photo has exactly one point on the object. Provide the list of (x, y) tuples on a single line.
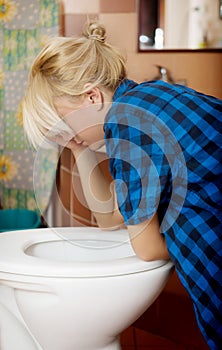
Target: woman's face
[(85, 118)]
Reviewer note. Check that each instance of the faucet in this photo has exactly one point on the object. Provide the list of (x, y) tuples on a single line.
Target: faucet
[(163, 75)]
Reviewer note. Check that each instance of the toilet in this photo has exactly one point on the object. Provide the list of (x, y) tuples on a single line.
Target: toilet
[(72, 288)]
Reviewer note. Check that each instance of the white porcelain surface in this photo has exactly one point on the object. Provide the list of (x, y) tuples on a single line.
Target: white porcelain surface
[(72, 288)]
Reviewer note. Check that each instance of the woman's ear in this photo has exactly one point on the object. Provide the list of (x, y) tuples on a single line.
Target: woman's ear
[(94, 95)]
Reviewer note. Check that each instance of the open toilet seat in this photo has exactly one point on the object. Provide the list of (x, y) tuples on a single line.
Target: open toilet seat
[(70, 252)]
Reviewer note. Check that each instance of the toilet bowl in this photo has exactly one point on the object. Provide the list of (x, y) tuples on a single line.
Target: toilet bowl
[(72, 288)]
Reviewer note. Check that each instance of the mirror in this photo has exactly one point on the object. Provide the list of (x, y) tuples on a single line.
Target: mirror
[(179, 25)]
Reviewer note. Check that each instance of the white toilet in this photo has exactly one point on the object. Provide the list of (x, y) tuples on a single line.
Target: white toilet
[(72, 288)]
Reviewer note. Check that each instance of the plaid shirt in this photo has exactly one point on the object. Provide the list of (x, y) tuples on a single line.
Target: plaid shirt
[(164, 144)]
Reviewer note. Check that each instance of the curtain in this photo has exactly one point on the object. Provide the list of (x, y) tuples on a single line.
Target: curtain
[(25, 25)]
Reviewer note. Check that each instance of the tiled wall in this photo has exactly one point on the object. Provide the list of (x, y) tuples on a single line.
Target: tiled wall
[(71, 207)]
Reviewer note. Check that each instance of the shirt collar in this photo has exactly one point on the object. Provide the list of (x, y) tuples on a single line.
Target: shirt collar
[(125, 86)]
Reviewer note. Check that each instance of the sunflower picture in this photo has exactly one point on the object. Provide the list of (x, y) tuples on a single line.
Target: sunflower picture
[(8, 168), (8, 10)]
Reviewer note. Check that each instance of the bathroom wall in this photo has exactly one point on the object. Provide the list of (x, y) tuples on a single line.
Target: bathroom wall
[(202, 71)]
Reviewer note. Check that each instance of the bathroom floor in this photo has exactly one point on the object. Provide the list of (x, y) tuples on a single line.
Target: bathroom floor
[(135, 339)]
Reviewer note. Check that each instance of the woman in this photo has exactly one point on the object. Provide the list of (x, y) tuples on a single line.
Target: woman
[(163, 142)]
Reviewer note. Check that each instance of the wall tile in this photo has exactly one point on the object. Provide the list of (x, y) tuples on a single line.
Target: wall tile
[(79, 207), (104, 165), (127, 337), (74, 23), (77, 220), (145, 339), (115, 6), (119, 35), (65, 158), (65, 222), (81, 6), (64, 188)]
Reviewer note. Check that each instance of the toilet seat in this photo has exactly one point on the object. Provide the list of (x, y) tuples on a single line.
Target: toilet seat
[(17, 257)]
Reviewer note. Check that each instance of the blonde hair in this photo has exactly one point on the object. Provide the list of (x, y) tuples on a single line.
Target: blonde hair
[(63, 68)]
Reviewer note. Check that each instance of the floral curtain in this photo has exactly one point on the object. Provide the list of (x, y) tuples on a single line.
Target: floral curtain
[(25, 26)]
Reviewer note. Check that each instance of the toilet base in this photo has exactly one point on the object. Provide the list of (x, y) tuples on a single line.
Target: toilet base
[(12, 324)]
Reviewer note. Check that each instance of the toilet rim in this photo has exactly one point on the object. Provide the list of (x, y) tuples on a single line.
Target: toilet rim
[(16, 261)]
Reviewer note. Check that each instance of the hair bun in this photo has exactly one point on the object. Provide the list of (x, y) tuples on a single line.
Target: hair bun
[(95, 31)]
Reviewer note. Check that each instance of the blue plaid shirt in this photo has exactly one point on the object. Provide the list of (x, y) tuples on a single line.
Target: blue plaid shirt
[(164, 144)]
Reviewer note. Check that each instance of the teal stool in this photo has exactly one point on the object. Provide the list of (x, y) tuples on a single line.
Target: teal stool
[(18, 219)]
